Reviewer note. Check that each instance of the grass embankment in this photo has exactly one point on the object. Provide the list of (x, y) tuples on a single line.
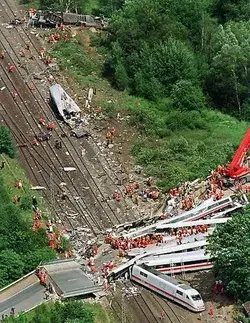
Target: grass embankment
[(12, 172), (21, 248), (173, 146), (68, 311)]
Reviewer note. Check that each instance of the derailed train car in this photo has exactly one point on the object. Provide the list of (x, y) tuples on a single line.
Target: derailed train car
[(65, 105), (51, 19)]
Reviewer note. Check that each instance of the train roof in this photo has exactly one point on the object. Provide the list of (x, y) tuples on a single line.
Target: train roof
[(64, 103), (167, 248), (204, 207), (165, 277), (223, 213), (192, 223), (174, 258), (208, 204)]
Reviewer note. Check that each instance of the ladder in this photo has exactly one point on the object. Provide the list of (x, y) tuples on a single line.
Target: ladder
[(183, 269), (171, 268)]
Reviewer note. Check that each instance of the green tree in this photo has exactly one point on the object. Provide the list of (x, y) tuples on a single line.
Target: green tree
[(232, 254), (186, 96), (37, 256), (6, 142), (195, 15), (11, 267), (227, 10), (228, 79)]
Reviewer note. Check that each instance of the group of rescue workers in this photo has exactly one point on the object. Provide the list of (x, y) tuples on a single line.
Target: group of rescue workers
[(184, 195), (219, 287), (129, 243), (107, 267), (188, 231), (50, 126), (134, 191)]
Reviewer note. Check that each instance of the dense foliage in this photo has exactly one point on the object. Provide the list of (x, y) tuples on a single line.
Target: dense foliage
[(163, 46), (6, 142), (68, 312), (229, 245), (21, 249)]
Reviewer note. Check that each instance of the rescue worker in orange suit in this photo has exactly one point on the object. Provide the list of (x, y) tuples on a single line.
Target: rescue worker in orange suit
[(12, 68), (42, 121), (35, 142), (109, 138), (51, 126)]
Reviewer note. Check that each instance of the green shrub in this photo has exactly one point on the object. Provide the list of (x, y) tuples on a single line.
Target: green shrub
[(186, 96), (6, 142)]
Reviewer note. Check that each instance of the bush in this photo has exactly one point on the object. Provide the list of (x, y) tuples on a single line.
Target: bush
[(69, 311), (6, 142), (186, 96)]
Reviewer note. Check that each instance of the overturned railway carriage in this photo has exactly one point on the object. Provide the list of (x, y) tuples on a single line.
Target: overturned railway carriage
[(57, 18), (178, 262), (167, 287), (65, 105)]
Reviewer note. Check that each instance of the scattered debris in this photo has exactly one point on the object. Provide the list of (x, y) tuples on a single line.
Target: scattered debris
[(80, 133), (69, 169), (138, 169), (37, 188)]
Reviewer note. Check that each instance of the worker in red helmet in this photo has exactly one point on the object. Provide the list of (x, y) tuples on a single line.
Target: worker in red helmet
[(12, 68)]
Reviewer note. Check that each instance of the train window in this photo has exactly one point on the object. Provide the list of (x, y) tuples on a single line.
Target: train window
[(178, 292), (143, 274), (187, 297), (196, 297)]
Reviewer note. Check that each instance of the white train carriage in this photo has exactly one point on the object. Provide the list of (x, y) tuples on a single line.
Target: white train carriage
[(167, 287), (178, 262), (210, 222), (202, 211), (168, 248)]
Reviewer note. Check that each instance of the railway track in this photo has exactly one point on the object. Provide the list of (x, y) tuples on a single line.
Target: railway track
[(94, 209), (93, 150), (102, 208), (157, 305)]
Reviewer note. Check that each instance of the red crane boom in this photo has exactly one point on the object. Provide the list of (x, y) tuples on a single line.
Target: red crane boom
[(236, 167)]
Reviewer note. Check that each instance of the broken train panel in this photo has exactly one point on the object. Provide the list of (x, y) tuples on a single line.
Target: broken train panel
[(65, 105)]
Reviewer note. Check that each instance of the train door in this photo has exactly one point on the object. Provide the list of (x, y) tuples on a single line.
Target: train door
[(179, 296)]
